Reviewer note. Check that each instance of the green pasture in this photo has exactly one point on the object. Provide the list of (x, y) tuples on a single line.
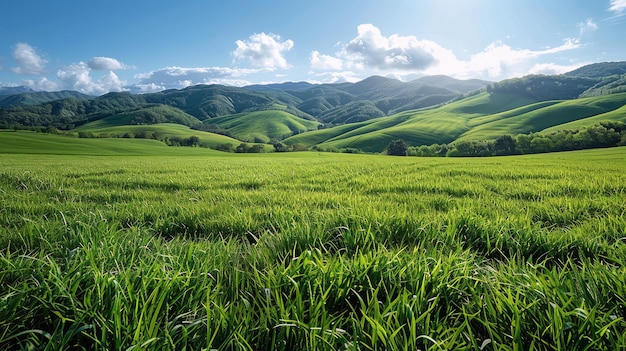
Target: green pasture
[(313, 251), (25, 142)]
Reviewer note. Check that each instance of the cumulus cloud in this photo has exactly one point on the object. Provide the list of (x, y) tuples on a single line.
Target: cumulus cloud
[(29, 61), (78, 77), (182, 77), (373, 50), (406, 56), (320, 61), (42, 84), (499, 59), (263, 50), (618, 6), (107, 64)]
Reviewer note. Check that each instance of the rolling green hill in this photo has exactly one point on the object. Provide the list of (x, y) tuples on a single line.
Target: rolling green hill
[(366, 115), (551, 115), (307, 101), (263, 126), (481, 117), (617, 115), (161, 131), (319, 136), (209, 101), (148, 115), (424, 127)]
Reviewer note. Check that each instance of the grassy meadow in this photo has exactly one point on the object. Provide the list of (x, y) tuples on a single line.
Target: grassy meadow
[(313, 251)]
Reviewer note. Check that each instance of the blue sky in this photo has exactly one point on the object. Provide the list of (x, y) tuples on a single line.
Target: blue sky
[(141, 46)]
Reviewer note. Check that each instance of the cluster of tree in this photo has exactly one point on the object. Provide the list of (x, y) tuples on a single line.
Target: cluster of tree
[(434, 150), (600, 135), (603, 134), (398, 148), (281, 147), (346, 150), (245, 148), (147, 134), (38, 129), (178, 141)]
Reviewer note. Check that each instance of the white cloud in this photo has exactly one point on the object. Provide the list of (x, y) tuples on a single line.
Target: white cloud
[(618, 6), (405, 56), (148, 88), (370, 49), (552, 68), (107, 64), (110, 82), (587, 27), (181, 77), (78, 77), (321, 62), (335, 77), (263, 50), (41, 85), (498, 59), (30, 62)]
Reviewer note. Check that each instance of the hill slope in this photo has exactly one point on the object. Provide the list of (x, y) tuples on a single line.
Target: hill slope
[(263, 126), (149, 115), (163, 131), (481, 117)]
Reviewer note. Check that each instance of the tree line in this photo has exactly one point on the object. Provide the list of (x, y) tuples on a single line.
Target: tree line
[(600, 135)]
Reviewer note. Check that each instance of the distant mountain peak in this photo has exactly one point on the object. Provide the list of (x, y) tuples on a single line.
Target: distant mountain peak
[(15, 90)]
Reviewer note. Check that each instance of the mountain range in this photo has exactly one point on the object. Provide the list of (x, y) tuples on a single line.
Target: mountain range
[(365, 115)]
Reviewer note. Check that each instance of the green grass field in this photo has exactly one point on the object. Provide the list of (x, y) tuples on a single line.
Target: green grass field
[(25, 142), (313, 251)]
